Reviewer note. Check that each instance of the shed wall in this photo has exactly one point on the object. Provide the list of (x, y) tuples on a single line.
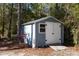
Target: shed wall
[(40, 38), (34, 36), (28, 32), (62, 34)]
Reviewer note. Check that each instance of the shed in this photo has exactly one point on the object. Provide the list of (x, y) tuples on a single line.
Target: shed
[(44, 31)]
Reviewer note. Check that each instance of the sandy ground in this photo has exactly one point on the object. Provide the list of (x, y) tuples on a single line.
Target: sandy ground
[(69, 51), (24, 50), (27, 52)]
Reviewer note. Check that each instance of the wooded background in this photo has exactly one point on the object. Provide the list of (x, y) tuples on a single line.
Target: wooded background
[(12, 15)]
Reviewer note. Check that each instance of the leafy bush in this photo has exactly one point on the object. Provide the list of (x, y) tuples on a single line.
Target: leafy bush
[(68, 36)]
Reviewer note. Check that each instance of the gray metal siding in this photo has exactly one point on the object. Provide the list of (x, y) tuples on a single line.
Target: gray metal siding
[(62, 33), (40, 38), (62, 29)]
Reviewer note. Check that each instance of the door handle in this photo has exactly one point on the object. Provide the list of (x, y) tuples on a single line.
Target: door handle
[(45, 40), (52, 33)]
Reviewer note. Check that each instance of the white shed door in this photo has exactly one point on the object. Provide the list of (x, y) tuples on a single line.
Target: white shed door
[(53, 33)]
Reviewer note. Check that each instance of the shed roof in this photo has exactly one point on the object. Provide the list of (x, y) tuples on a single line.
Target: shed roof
[(41, 19)]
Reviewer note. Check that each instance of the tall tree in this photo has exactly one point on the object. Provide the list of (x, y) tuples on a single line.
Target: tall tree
[(3, 14), (19, 21), (10, 21)]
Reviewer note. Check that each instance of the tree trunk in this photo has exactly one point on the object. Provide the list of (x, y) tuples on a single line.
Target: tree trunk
[(3, 20), (19, 22), (10, 22), (19, 19)]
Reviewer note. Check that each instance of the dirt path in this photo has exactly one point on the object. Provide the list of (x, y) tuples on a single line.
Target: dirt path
[(70, 51)]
